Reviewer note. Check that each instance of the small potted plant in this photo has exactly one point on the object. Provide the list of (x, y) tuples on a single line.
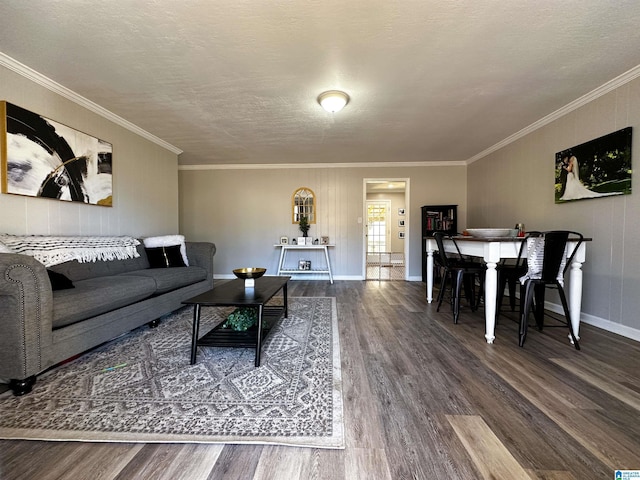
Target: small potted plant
[(241, 319), (304, 225)]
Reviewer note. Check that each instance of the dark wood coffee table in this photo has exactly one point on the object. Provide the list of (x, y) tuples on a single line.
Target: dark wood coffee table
[(234, 294)]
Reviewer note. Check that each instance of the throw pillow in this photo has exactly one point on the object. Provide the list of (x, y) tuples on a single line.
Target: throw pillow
[(165, 257), (59, 281), (168, 241)]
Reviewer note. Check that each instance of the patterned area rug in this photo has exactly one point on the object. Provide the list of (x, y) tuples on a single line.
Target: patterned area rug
[(141, 387)]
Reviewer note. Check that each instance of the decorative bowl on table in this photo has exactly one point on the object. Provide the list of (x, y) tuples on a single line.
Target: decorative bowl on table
[(249, 275), (492, 232), (250, 272)]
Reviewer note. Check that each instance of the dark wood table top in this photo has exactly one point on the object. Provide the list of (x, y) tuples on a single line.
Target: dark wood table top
[(234, 294)]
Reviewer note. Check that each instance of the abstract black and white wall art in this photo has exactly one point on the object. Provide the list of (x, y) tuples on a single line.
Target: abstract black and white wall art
[(44, 158), (595, 169)]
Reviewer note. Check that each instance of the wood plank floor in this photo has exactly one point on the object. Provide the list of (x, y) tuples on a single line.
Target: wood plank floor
[(423, 398)]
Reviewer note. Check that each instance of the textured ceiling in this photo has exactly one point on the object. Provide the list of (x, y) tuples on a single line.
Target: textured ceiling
[(233, 82)]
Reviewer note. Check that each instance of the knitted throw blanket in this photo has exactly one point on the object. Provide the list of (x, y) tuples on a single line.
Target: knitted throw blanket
[(54, 250)]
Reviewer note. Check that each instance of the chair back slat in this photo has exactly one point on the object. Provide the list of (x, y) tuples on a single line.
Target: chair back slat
[(547, 255), (580, 239), (521, 261), (442, 254), (555, 245)]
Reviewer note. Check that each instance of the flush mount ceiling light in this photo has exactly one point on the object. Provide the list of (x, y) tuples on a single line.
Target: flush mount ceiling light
[(333, 100)]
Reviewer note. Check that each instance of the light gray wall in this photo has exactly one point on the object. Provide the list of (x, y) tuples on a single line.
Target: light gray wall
[(145, 176), (516, 184), (245, 211)]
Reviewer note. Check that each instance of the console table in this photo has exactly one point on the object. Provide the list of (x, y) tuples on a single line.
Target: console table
[(286, 248)]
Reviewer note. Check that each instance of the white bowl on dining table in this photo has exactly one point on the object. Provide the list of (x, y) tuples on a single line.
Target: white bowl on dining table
[(492, 232)]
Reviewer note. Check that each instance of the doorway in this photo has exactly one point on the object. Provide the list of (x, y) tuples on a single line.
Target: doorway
[(386, 229)]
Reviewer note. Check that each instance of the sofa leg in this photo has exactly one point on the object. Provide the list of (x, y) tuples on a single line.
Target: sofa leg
[(154, 323), (22, 387)]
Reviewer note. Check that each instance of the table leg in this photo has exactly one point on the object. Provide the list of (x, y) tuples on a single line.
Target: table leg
[(429, 276), (326, 257), (490, 294), (286, 301), (539, 291), (259, 336), (575, 296), (194, 336), (281, 261)]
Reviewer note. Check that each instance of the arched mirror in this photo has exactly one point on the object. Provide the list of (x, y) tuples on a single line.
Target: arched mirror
[(303, 204)]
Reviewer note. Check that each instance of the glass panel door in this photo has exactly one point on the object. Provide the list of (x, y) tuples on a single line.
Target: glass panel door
[(378, 236), (378, 226)]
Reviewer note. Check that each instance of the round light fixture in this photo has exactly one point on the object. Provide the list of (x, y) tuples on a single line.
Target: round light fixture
[(333, 100)]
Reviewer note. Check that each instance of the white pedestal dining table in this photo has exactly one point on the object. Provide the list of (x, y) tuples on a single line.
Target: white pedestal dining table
[(492, 250)]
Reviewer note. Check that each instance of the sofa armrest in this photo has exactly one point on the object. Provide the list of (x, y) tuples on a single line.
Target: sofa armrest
[(26, 313), (201, 254)]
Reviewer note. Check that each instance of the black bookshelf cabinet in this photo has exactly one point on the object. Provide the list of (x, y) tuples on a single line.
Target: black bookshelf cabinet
[(437, 218)]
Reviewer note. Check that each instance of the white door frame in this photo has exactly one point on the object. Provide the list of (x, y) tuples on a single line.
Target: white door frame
[(407, 226)]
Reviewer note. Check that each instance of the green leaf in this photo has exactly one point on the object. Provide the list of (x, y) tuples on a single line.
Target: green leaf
[(241, 319)]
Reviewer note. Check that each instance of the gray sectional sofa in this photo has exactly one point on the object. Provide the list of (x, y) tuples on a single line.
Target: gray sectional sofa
[(40, 327)]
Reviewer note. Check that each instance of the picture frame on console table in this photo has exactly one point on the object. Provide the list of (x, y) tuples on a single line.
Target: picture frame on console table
[(44, 158), (304, 265)]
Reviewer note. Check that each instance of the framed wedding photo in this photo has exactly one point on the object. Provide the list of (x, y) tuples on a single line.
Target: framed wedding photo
[(595, 169), (401, 211), (401, 223), (400, 234)]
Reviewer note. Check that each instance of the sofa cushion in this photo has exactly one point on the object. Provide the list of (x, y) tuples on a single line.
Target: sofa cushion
[(75, 270), (167, 279), (94, 296)]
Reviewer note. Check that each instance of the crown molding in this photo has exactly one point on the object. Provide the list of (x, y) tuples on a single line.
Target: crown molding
[(275, 166), (602, 90), (36, 77), (55, 87)]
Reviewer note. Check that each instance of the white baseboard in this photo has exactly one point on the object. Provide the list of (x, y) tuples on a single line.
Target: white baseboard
[(608, 325)]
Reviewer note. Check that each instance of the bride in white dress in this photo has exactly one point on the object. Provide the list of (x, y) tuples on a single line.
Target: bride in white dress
[(574, 188)]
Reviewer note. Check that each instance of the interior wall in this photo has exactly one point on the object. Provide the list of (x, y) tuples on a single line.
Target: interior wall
[(516, 184), (145, 176), (246, 210)]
